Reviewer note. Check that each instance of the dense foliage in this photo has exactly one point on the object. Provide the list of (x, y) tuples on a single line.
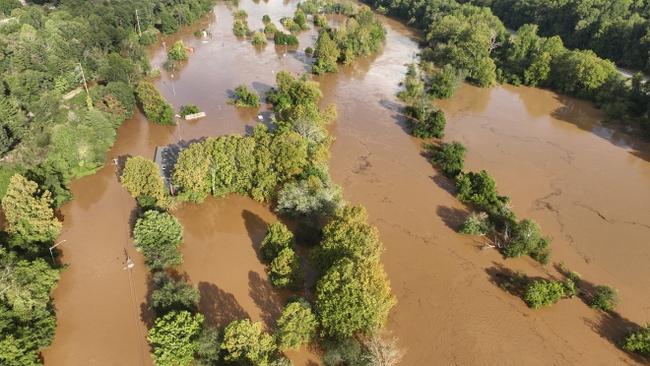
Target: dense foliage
[(173, 338), (543, 293), (296, 326), (154, 106), (244, 342), (157, 235), (616, 29), (360, 35), (449, 158), (468, 40), (278, 237), (170, 294), (141, 177), (55, 137), (604, 298)]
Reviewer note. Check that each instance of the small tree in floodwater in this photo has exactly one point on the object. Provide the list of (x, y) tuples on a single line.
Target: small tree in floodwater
[(244, 97)]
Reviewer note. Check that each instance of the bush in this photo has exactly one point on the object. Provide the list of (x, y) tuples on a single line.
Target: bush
[(188, 109), (476, 224), (259, 39), (449, 158), (309, 51), (604, 298), (296, 325), (154, 106), (173, 338), (527, 240), (240, 28), (278, 237), (240, 14), (543, 293), (172, 295), (157, 235), (270, 29), (244, 97), (266, 19), (432, 124), (285, 270), (444, 82), (281, 38), (178, 52), (320, 20), (638, 341)]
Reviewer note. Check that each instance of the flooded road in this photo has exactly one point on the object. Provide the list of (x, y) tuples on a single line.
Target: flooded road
[(585, 184)]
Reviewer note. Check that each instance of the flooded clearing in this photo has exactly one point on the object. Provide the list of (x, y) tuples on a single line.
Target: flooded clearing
[(584, 183)]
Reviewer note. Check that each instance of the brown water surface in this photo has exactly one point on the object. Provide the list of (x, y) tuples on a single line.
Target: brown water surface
[(586, 184)]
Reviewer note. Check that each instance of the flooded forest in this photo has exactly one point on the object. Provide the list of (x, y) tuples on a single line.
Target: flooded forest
[(585, 182)]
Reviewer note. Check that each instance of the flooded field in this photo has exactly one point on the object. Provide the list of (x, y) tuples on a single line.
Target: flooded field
[(584, 183)]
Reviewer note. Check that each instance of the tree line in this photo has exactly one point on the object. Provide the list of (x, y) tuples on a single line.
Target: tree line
[(51, 136), (285, 166), (618, 30), (476, 45)]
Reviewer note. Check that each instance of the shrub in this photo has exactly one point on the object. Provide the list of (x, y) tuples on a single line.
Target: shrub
[(157, 235), (444, 82), (604, 298), (266, 19), (309, 51), (270, 29), (259, 39), (543, 293), (449, 158), (285, 270), (240, 28), (278, 237), (281, 38), (240, 14), (154, 106), (188, 109), (432, 124), (296, 325), (244, 97), (476, 224), (320, 20), (638, 341), (527, 240), (178, 52)]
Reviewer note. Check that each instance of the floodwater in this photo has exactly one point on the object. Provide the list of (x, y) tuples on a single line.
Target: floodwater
[(586, 184)]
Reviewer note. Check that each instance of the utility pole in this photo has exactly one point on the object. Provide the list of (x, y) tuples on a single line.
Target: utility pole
[(54, 246), (83, 76), (137, 17)]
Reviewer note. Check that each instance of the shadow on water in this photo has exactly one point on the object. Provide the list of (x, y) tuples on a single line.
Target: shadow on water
[(265, 297), (574, 112), (256, 228), (451, 216), (614, 328), (219, 306), (508, 280), (400, 119), (445, 183)]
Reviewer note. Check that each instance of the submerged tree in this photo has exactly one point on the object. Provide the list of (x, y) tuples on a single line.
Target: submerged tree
[(157, 235), (244, 342), (141, 177), (173, 338), (296, 325), (154, 106)]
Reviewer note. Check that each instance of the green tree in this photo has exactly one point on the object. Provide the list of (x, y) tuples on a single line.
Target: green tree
[(29, 217), (348, 235), (141, 177), (296, 326), (173, 338), (604, 298), (449, 158), (326, 53), (413, 85), (259, 39), (240, 28), (528, 240), (158, 235), (352, 297), (285, 270), (309, 198), (443, 82), (244, 342), (278, 237), (543, 293), (192, 173), (208, 345), (476, 224), (172, 295), (188, 109), (154, 106)]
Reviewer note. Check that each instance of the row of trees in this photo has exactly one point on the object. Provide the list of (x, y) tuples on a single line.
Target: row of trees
[(360, 35), (52, 139), (27, 319), (474, 43)]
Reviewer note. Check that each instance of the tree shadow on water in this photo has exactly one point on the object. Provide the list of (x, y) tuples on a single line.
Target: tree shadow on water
[(614, 328), (452, 217), (219, 306), (399, 117), (256, 228), (265, 297), (448, 185)]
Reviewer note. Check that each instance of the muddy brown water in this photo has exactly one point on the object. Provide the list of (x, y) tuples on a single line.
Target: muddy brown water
[(585, 183)]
